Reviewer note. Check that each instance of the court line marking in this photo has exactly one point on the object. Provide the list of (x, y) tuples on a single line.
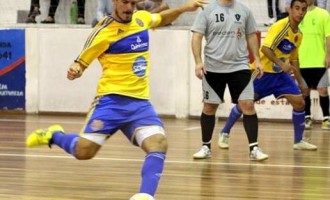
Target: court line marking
[(184, 127), (170, 161)]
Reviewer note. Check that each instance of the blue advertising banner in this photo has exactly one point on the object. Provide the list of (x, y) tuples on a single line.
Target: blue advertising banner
[(12, 69)]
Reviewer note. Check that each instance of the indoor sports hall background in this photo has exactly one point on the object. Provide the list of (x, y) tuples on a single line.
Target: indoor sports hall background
[(49, 49)]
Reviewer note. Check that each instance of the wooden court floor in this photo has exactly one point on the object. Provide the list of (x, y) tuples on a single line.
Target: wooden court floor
[(114, 174)]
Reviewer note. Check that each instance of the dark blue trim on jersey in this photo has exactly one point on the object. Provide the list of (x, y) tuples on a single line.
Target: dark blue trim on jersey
[(137, 42)]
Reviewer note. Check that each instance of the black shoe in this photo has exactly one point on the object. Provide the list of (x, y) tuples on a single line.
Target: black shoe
[(30, 21), (48, 21)]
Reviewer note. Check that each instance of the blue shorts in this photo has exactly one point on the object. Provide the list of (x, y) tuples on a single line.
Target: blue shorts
[(111, 113), (277, 84)]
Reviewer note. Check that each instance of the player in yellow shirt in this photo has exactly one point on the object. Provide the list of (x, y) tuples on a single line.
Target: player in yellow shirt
[(279, 57), (121, 44)]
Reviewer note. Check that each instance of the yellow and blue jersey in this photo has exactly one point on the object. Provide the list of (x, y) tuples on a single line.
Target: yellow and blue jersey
[(122, 50), (283, 41)]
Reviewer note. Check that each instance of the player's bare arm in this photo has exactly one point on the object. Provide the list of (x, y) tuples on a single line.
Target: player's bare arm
[(285, 66), (300, 80), (253, 44), (168, 16), (327, 57), (196, 44)]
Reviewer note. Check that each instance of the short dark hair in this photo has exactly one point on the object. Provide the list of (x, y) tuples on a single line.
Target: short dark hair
[(292, 2)]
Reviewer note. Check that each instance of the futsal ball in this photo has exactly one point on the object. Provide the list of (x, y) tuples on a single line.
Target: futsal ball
[(141, 196)]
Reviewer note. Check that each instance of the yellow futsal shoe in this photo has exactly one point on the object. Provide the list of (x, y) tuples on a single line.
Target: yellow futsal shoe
[(42, 136)]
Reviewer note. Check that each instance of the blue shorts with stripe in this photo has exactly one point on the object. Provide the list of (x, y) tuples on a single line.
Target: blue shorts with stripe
[(111, 113), (277, 84)]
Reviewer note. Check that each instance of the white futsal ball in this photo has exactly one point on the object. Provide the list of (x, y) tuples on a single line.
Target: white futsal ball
[(142, 196)]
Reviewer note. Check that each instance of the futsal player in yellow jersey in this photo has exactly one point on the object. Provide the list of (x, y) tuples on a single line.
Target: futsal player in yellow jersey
[(120, 42), (279, 57)]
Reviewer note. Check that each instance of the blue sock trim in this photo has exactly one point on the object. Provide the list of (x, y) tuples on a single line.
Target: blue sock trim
[(73, 144)]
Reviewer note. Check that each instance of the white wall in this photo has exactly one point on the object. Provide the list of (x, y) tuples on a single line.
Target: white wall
[(174, 88)]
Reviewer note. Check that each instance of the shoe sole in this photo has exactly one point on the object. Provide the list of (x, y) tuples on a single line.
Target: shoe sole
[(202, 157), (223, 147), (304, 149), (259, 159)]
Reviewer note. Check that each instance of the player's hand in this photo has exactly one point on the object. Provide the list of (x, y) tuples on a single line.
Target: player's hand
[(260, 69), (304, 90), (287, 66), (200, 70), (75, 71), (192, 5)]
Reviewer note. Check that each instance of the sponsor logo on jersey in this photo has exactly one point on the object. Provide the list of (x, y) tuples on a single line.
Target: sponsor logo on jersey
[(225, 33), (140, 66), (139, 44)]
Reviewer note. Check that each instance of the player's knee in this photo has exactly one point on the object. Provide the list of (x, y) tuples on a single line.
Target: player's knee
[(84, 155), (86, 149), (323, 91), (157, 142), (151, 137), (247, 107), (299, 105), (210, 109), (161, 143)]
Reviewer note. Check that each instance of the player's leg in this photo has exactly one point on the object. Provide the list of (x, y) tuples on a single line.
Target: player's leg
[(207, 122), (102, 121), (298, 118), (234, 115), (322, 89), (72, 143), (214, 85), (155, 147), (308, 81), (51, 12), (271, 8), (316, 78), (288, 88), (146, 130), (81, 146), (308, 115), (81, 11), (241, 90), (324, 104)]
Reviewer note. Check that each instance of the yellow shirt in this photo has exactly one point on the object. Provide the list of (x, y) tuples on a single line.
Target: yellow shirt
[(283, 42), (122, 50)]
